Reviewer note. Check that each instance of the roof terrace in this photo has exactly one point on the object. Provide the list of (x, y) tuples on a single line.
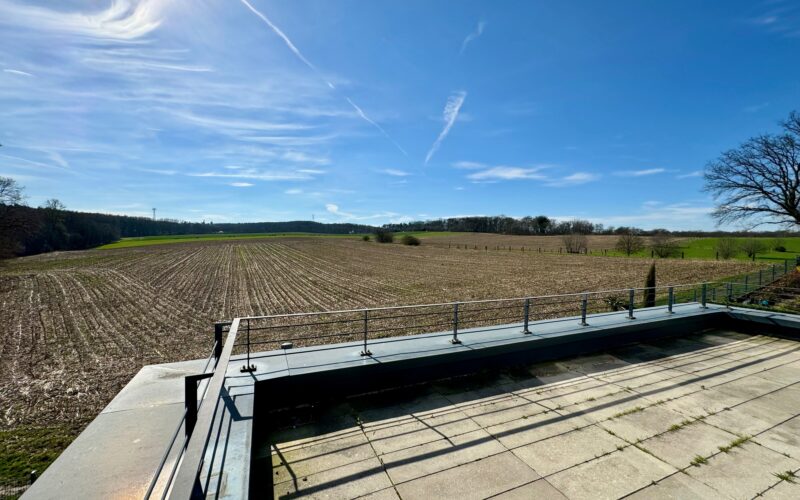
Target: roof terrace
[(574, 396)]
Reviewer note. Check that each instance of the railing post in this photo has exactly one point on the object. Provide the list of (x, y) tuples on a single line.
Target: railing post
[(631, 298), (703, 292), (366, 351), (527, 316), (694, 294), (455, 340), (584, 306), (217, 341), (729, 287), (248, 367), (190, 401), (670, 299)]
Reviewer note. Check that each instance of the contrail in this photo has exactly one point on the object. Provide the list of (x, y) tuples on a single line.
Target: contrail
[(308, 63), (451, 110), (369, 120)]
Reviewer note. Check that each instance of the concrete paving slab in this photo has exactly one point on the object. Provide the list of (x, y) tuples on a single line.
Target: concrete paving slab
[(348, 481), (611, 476), (784, 490), (419, 461), (639, 422), (475, 480), (678, 448), (502, 411), (608, 406), (552, 455), (678, 486), (756, 416), (537, 489), (744, 471), (328, 454), (784, 438), (525, 431)]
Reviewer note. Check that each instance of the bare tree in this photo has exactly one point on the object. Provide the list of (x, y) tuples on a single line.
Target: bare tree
[(727, 248), (630, 242), (663, 244), (752, 247), (10, 191), (760, 180), (575, 242), (14, 220)]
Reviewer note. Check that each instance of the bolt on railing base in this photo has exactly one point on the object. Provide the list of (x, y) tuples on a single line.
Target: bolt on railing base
[(366, 353), (455, 341), (248, 368)]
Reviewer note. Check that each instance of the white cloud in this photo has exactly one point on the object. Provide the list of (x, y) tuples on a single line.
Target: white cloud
[(472, 36), (394, 172), (507, 173), (468, 165), (696, 173), (573, 179), (640, 173), (261, 175), (17, 72), (293, 191), (122, 20), (241, 184), (450, 114)]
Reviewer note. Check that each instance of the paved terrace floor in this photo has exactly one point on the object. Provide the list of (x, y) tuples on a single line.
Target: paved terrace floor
[(712, 415)]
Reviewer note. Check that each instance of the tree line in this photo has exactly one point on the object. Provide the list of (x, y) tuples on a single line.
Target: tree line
[(544, 225), (28, 230)]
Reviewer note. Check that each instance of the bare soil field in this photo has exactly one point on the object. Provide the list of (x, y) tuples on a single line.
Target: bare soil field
[(77, 326)]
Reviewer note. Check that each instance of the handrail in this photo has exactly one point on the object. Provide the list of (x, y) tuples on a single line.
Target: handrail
[(184, 485), (486, 301)]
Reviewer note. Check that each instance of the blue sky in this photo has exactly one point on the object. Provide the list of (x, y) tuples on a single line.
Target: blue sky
[(379, 111)]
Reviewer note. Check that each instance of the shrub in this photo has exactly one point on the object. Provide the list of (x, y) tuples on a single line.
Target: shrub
[(727, 248), (365, 237), (780, 248), (384, 236), (410, 240), (575, 242)]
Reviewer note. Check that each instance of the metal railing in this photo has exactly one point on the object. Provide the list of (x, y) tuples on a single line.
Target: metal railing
[(192, 405), (367, 328)]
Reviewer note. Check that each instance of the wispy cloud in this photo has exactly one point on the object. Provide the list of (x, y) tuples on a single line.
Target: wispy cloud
[(696, 173), (394, 172), (640, 173), (292, 47), (478, 31), (508, 173), (17, 72), (450, 114), (241, 184), (262, 175), (573, 179), (122, 20)]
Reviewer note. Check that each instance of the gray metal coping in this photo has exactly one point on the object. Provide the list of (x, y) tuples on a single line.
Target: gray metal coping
[(120, 450)]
